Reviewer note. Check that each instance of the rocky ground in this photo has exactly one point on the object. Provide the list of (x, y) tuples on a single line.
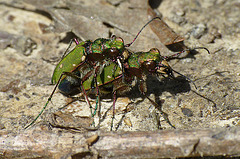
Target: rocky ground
[(35, 34)]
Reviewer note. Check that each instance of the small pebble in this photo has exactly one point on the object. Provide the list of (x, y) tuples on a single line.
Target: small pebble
[(199, 30), (187, 112)]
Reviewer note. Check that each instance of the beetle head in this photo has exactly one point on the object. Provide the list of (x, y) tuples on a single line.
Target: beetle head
[(155, 64), (115, 46)]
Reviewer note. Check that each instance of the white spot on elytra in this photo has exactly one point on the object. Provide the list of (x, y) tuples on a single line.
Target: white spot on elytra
[(83, 58)]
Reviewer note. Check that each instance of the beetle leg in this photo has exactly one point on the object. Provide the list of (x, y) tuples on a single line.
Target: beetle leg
[(98, 95), (81, 86), (75, 40), (143, 90), (85, 95), (165, 115), (114, 102), (186, 50), (50, 97), (69, 45), (120, 64)]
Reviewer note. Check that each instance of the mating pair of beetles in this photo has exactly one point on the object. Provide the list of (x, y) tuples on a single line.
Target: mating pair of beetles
[(106, 66)]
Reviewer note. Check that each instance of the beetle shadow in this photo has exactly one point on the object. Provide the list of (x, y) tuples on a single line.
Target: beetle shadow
[(157, 87), (154, 4), (69, 36)]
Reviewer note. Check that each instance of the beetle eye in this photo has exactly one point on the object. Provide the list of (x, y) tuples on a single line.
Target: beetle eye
[(113, 37), (150, 66), (119, 39), (113, 52)]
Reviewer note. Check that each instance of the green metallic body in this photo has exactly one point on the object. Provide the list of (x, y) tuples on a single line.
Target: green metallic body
[(101, 45), (70, 62), (109, 74), (92, 52), (107, 77), (138, 58)]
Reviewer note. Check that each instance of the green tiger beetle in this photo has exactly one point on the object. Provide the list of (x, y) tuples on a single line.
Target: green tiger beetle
[(106, 66)]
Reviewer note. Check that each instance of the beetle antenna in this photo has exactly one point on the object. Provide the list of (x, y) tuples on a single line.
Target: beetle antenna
[(127, 45), (186, 78), (171, 56), (201, 48)]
